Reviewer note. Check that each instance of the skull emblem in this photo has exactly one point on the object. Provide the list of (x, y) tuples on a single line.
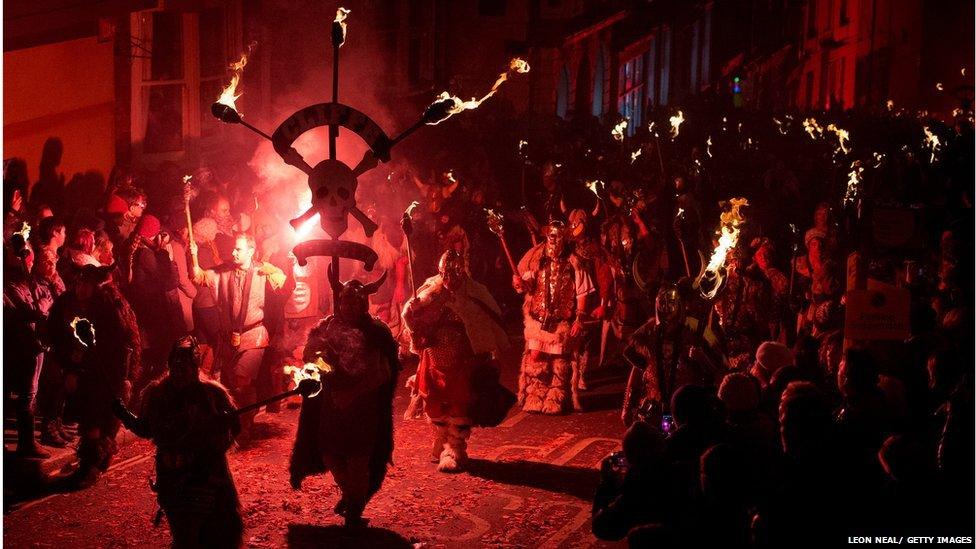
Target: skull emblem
[(333, 195)]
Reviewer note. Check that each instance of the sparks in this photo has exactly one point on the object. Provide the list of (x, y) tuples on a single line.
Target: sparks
[(708, 146), (650, 127), (618, 131), (229, 95), (878, 157), (676, 124), (740, 127), (634, 155), (853, 182), (932, 141)]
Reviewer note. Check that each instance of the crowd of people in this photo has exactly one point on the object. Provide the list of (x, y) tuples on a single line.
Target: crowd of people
[(752, 419)]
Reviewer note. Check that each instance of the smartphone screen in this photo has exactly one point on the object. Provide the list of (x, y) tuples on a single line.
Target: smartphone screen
[(666, 423)]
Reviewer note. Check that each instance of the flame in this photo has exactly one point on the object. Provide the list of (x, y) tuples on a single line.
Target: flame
[(618, 131), (730, 223), (634, 155), (451, 104), (340, 19), (521, 146), (519, 65), (593, 186), (78, 320), (449, 175), (650, 127), (939, 86), (25, 230), (932, 141), (676, 124), (740, 127), (779, 125), (956, 112), (842, 137), (811, 126), (724, 121), (708, 146), (890, 104), (680, 214), (310, 370), (962, 71), (853, 182), (878, 157), (229, 95)]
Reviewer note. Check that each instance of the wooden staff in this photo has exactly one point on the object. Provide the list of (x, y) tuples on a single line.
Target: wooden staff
[(187, 196), (495, 224)]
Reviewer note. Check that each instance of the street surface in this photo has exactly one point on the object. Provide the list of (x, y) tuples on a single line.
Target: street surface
[(529, 484)]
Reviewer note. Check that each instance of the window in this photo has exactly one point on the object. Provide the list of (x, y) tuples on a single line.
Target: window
[(630, 100), (665, 80), (598, 75), (179, 68), (650, 68), (562, 94)]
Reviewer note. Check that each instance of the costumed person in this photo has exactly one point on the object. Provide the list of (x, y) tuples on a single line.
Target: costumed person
[(242, 288), (744, 308), (596, 261), (193, 424), (556, 287), (97, 365), (348, 428), (674, 348), (456, 328)]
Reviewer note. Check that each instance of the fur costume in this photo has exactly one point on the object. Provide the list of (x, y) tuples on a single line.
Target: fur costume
[(104, 370), (453, 332), (545, 379), (348, 428), (193, 427)]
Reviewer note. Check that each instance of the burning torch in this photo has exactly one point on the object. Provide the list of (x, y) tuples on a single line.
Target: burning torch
[(712, 275)]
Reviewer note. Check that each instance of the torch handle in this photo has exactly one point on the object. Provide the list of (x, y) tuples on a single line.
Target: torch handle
[(508, 254), (265, 402), (189, 233)]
